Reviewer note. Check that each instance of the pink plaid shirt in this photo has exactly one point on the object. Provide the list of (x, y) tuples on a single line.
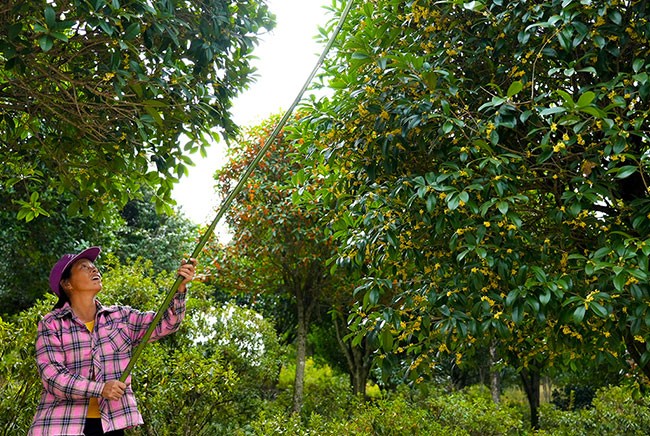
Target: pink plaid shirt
[(74, 364)]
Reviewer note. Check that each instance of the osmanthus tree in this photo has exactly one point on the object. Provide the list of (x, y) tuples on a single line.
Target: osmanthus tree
[(101, 97), (277, 247), (489, 164)]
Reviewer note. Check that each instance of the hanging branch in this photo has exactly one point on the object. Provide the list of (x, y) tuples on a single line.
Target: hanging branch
[(228, 200)]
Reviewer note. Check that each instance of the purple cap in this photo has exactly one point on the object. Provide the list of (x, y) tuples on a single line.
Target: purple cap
[(64, 262)]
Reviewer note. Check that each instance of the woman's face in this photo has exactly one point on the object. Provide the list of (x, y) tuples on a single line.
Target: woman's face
[(84, 276)]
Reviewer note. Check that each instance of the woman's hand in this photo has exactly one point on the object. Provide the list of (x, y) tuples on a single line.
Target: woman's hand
[(113, 390), (186, 270)]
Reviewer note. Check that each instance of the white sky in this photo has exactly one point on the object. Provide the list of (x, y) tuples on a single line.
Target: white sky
[(287, 56)]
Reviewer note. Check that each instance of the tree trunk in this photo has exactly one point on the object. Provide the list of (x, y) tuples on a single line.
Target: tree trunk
[(495, 375), (301, 356), (531, 380), (306, 288), (360, 371), (357, 357)]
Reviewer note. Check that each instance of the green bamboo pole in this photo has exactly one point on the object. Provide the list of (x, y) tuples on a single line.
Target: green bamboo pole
[(225, 204)]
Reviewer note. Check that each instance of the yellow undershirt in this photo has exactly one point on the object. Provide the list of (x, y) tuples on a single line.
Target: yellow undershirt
[(93, 405)]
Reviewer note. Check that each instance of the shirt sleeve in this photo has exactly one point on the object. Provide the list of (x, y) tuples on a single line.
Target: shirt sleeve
[(169, 323), (56, 378)]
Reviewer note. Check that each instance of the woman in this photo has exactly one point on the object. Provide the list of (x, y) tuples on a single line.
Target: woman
[(82, 348)]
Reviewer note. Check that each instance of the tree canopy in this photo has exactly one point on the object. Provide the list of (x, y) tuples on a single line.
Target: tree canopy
[(99, 98), (488, 162)]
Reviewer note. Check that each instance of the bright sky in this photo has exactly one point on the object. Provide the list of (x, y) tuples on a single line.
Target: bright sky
[(286, 58)]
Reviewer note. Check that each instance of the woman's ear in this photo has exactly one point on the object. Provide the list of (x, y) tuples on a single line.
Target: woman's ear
[(65, 284)]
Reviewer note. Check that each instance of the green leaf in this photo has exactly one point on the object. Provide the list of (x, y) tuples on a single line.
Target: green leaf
[(619, 281), (514, 88), (552, 110), (586, 98), (50, 17), (453, 201), (517, 314), (60, 36), (624, 172), (386, 340), (579, 314), (601, 252), (594, 111), (431, 202), (154, 114), (598, 309), (568, 99), (474, 6), (638, 64), (132, 31), (545, 297), (45, 42)]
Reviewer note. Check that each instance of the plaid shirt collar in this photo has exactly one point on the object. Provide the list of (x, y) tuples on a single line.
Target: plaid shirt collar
[(66, 309)]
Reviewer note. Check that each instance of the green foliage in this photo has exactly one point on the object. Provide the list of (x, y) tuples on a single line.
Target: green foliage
[(473, 411), (19, 381), (486, 164), (147, 234), (325, 389), (614, 412), (278, 247), (101, 98), (573, 397), (401, 413)]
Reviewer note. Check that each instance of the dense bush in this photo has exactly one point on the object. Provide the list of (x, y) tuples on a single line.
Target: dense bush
[(19, 382), (467, 412), (573, 397), (405, 412), (614, 413), (325, 390)]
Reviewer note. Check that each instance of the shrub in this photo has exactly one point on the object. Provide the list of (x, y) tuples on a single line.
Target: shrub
[(472, 410), (19, 381), (326, 392), (573, 397), (614, 413)]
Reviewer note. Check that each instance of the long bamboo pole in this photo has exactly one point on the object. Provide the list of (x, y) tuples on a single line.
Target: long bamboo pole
[(225, 204)]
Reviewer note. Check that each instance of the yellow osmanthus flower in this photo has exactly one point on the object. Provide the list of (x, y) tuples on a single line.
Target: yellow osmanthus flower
[(590, 298), (362, 111), (489, 129), (488, 299)]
